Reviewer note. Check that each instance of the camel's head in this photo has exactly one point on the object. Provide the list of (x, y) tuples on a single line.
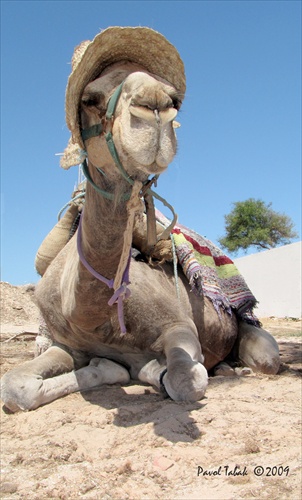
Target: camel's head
[(153, 87), (142, 124)]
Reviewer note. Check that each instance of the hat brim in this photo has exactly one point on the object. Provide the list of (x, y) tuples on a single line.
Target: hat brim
[(140, 45)]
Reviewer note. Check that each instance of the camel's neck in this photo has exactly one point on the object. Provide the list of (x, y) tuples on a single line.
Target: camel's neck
[(103, 225)]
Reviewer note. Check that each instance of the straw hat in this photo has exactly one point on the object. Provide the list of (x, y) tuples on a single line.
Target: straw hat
[(139, 45)]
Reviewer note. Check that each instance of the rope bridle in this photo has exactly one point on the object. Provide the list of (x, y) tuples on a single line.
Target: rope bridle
[(139, 189), (105, 127)]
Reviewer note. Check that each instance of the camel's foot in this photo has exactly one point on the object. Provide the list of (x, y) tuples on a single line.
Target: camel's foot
[(186, 381), (25, 388), (257, 349), (186, 378), (151, 373), (243, 371), (101, 371), (223, 369)]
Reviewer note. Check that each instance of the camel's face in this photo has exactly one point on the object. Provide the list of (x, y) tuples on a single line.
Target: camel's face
[(143, 121)]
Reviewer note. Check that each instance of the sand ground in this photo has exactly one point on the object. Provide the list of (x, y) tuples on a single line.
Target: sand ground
[(243, 441)]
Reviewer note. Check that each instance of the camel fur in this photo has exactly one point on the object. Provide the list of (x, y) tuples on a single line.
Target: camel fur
[(171, 342)]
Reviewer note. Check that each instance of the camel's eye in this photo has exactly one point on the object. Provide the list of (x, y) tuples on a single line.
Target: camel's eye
[(176, 103), (91, 100)]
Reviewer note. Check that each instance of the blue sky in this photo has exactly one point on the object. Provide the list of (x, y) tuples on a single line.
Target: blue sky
[(240, 134)]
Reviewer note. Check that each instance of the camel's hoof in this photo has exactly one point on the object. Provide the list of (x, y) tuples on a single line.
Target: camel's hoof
[(243, 372), (224, 370), (108, 371)]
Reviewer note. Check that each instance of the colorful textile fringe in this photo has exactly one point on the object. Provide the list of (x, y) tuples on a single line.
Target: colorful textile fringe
[(211, 273)]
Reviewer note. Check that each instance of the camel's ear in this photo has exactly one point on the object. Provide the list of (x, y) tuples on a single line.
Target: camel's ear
[(73, 155)]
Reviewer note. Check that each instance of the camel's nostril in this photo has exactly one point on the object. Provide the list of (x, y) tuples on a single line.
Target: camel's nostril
[(161, 117)]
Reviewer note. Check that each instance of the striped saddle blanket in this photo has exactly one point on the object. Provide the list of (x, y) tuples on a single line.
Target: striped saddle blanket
[(211, 273)]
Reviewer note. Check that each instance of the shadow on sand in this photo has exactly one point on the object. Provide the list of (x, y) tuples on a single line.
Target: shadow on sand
[(140, 405)]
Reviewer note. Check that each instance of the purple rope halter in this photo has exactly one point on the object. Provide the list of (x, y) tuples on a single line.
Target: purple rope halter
[(121, 293)]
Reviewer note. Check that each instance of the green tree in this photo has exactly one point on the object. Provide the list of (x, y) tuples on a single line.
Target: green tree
[(254, 223)]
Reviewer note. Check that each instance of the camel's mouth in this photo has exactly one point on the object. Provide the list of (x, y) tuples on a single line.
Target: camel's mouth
[(142, 171), (155, 168)]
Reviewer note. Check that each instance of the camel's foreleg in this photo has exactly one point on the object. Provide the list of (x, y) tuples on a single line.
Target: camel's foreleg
[(51, 376), (257, 349), (186, 378)]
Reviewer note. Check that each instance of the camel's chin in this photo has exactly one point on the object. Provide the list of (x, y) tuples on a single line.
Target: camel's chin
[(155, 168), (142, 172)]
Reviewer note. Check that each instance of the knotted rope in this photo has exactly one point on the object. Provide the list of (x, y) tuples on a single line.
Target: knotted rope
[(134, 205)]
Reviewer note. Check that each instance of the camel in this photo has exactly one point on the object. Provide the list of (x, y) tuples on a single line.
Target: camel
[(112, 317)]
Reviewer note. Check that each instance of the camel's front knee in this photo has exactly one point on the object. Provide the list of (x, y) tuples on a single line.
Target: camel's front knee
[(258, 349), (186, 382), (20, 391), (186, 379), (23, 387)]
